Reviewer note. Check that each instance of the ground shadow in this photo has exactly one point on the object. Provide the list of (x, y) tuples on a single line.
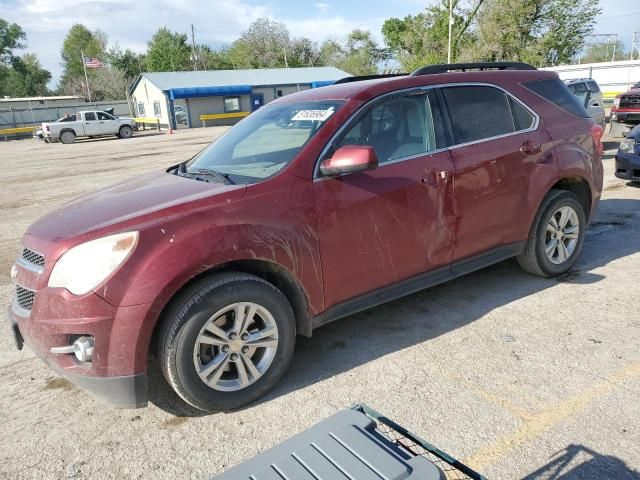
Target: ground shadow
[(359, 339), (578, 462)]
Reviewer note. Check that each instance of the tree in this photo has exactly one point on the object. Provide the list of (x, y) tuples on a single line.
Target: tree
[(20, 76), (604, 53), (130, 63), (422, 39), (168, 51), (78, 41), (11, 38), (268, 42), (540, 32), (358, 54), (27, 78)]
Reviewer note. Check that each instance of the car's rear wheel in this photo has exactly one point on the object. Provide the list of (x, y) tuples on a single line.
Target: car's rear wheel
[(125, 132), (226, 341), (556, 237), (68, 137)]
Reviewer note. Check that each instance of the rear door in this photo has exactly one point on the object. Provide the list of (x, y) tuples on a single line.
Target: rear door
[(91, 125), (384, 225), (496, 147)]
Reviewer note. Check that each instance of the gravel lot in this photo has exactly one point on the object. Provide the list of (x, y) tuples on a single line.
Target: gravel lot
[(521, 377)]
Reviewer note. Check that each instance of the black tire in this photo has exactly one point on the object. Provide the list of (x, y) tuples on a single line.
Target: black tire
[(187, 315), (67, 137), (534, 258), (125, 132)]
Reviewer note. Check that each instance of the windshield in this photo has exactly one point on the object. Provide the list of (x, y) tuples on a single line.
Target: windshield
[(265, 142)]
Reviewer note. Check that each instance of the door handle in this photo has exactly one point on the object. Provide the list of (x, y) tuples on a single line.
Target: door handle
[(530, 147)]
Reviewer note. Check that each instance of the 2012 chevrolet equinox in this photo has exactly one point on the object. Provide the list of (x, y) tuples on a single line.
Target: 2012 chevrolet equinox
[(319, 205)]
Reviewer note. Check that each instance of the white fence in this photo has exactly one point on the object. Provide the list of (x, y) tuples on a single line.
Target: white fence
[(613, 77)]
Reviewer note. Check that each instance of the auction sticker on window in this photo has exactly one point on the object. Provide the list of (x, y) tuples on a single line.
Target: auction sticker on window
[(318, 115)]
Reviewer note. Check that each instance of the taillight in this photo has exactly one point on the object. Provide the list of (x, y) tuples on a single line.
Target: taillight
[(46, 127), (596, 133)]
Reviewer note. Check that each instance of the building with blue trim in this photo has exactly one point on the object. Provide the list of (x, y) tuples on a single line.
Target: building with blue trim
[(219, 97)]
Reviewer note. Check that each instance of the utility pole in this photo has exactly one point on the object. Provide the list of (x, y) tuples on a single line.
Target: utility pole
[(450, 28), (635, 45), (194, 55)]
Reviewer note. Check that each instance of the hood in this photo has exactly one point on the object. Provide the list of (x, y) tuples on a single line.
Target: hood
[(130, 203), (634, 133)]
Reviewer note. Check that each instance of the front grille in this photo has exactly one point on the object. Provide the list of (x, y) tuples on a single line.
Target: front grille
[(32, 257), (25, 297), (630, 101)]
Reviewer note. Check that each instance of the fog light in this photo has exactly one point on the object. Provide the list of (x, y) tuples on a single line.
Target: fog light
[(83, 348)]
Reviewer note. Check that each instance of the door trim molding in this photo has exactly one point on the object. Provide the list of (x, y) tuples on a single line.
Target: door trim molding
[(417, 283)]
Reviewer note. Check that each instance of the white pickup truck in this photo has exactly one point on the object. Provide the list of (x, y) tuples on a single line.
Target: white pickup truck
[(92, 123)]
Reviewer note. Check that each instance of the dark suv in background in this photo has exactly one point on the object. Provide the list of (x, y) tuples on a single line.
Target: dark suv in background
[(317, 206)]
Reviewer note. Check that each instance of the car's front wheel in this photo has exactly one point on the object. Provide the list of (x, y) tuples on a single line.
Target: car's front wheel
[(556, 237), (226, 341), (125, 132)]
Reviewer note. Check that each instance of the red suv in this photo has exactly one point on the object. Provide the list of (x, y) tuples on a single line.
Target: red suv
[(319, 205)]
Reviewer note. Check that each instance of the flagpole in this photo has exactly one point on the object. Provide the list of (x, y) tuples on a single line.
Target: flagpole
[(86, 78)]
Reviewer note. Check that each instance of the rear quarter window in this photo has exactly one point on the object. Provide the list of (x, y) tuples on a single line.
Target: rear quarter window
[(556, 92)]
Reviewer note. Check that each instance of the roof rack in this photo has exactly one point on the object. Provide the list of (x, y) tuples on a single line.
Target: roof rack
[(359, 78), (463, 67)]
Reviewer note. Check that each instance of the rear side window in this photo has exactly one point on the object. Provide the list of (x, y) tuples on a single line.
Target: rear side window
[(89, 116), (594, 86), (556, 92), (479, 112)]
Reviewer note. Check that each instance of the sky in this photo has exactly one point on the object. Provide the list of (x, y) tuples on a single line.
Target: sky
[(131, 24)]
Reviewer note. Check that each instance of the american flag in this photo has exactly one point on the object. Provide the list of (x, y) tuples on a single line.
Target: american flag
[(92, 62)]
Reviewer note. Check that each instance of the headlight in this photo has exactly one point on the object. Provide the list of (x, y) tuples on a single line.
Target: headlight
[(616, 102), (627, 145), (87, 265)]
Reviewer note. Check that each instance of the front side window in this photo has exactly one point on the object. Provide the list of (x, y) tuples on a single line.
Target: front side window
[(106, 116), (396, 128), (231, 104), (479, 112), (265, 142)]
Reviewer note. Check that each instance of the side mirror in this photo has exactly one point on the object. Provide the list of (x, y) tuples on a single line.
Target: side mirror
[(349, 159)]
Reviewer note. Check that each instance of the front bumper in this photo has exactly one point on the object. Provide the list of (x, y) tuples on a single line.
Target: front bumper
[(117, 373), (632, 118), (628, 166)]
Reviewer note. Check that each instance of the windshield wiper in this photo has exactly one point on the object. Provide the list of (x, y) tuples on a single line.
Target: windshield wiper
[(221, 176)]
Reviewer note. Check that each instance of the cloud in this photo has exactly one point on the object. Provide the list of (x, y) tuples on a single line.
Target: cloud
[(323, 7), (128, 23)]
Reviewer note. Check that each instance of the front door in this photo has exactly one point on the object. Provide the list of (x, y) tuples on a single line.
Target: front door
[(257, 100), (384, 225)]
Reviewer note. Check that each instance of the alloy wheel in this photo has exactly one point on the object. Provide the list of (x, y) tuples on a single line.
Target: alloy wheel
[(561, 235), (236, 346)]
